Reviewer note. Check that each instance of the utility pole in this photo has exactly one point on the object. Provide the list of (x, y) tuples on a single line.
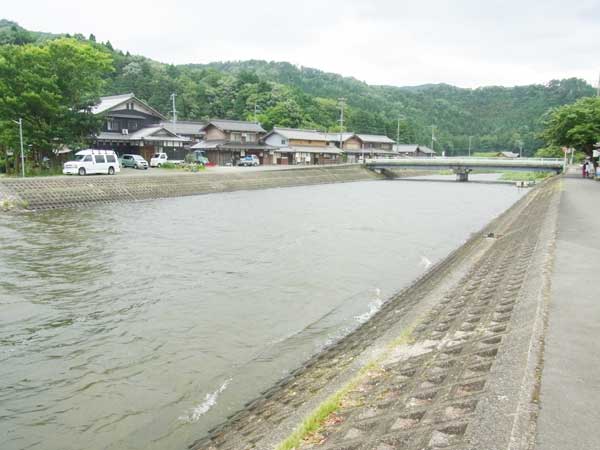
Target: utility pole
[(470, 139), (342, 101), (520, 149), (174, 112), (20, 123), (432, 136)]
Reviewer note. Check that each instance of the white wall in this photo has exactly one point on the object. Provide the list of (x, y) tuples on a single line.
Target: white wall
[(275, 140)]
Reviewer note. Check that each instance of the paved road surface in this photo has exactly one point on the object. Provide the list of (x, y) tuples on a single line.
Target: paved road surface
[(570, 395)]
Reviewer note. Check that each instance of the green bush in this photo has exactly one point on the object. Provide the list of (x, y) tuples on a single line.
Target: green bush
[(168, 165), (524, 176)]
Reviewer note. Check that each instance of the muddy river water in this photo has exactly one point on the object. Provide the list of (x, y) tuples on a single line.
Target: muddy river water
[(141, 325)]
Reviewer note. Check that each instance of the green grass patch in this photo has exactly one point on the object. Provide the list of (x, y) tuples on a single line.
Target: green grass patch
[(405, 338), (485, 154), (314, 422), (525, 176)]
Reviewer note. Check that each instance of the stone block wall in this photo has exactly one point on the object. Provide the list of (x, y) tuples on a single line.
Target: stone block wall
[(65, 192)]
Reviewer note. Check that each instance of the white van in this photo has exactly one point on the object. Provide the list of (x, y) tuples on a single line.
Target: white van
[(93, 161)]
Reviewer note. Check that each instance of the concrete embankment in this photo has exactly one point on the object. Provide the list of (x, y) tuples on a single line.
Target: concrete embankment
[(453, 361), (65, 192)]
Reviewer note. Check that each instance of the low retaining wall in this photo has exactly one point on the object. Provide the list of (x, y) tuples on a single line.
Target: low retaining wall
[(66, 192)]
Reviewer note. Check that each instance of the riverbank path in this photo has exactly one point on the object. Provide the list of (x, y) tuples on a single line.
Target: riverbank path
[(570, 392)]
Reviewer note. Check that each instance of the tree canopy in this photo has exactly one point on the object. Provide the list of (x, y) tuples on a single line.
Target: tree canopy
[(576, 125), (52, 87)]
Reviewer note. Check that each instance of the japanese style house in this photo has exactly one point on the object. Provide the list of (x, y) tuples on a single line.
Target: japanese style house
[(356, 146), (227, 141), (297, 146), (132, 126), (414, 150)]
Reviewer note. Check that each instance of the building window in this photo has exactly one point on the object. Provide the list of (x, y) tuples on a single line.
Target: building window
[(283, 142), (132, 124), (235, 137), (112, 125)]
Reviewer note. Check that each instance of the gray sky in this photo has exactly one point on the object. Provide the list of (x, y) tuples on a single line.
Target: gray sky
[(462, 42)]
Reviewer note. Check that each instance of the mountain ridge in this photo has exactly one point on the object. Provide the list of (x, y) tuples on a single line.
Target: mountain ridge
[(284, 94)]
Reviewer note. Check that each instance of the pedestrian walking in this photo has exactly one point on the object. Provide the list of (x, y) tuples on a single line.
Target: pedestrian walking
[(590, 169), (584, 169)]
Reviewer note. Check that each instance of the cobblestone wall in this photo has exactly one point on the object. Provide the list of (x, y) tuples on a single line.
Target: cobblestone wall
[(75, 191)]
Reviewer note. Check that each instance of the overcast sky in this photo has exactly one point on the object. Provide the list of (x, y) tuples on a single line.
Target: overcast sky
[(466, 43)]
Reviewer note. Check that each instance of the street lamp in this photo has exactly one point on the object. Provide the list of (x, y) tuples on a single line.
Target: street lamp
[(20, 123)]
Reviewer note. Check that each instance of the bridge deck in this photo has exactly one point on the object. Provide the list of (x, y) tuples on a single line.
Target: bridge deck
[(466, 164)]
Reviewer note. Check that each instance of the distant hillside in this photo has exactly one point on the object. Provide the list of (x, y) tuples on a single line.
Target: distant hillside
[(13, 33), (496, 117), (280, 93)]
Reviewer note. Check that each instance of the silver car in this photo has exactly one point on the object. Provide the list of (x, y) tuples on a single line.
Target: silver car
[(134, 161)]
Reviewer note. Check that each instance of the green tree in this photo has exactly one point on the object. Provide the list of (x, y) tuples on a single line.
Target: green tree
[(576, 125), (551, 151), (53, 87)]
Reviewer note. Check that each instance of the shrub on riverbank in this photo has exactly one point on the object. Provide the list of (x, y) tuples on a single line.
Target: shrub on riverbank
[(525, 176)]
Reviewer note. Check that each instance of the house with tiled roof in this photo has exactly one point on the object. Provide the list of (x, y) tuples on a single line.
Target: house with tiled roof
[(413, 150), (186, 128), (130, 125), (301, 146), (358, 145), (227, 141)]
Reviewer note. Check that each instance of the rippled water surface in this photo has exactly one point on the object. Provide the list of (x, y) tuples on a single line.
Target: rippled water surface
[(140, 326)]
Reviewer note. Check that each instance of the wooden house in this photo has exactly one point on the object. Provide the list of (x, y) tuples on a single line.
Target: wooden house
[(413, 150), (191, 130), (299, 146), (226, 141), (132, 126)]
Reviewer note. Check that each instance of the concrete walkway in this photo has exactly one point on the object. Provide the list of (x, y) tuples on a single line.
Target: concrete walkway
[(570, 395)]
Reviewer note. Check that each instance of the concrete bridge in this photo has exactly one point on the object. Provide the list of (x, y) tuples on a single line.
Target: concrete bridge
[(462, 166)]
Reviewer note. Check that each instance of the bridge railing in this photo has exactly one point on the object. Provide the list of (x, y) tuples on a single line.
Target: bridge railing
[(458, 161)]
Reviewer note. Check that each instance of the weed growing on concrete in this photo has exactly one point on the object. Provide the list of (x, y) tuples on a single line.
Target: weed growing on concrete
[(315, 421)]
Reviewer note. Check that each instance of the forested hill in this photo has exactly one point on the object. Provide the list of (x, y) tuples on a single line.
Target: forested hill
[(497, 117), (287, 95)]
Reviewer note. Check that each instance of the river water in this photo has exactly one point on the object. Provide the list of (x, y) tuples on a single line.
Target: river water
[(140, 326)]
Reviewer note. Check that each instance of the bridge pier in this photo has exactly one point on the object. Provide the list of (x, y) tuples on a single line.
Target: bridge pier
[(462, 175)]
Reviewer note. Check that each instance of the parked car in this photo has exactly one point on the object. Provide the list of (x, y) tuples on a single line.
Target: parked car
[(134, 161), (250, 160), (92, 161), (160, 158)]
